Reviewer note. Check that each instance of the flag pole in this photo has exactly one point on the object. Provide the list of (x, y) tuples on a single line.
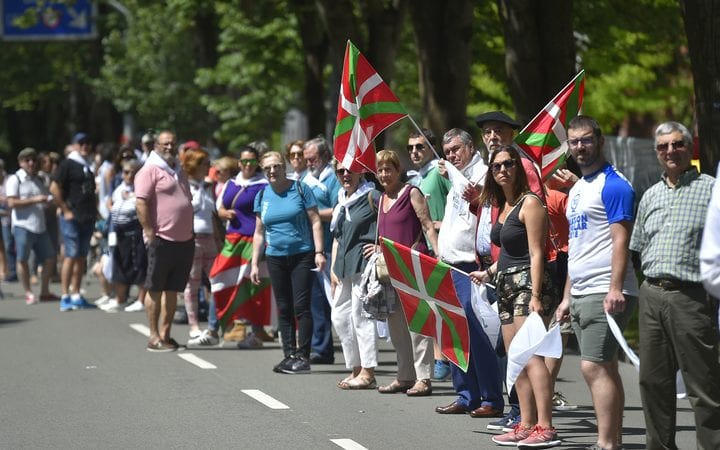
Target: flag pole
[(423, 134), (582, 71)]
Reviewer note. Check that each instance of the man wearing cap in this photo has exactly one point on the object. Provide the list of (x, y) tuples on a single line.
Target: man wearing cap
[(147, 142), (28, 197), (479, 389), (165, 212), (73, 188)]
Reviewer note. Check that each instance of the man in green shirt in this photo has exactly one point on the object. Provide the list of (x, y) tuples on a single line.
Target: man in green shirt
[(678, 320), (426, 176)]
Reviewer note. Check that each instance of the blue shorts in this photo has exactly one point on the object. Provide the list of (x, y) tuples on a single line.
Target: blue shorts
[(76, 237), (37, 242)]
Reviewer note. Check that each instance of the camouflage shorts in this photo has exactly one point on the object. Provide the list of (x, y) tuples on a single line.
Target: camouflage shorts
[(514, 291)]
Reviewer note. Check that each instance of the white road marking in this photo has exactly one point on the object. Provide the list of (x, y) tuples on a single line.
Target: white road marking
[(201, 363), (140, 328), (264, 399), (347, 444)]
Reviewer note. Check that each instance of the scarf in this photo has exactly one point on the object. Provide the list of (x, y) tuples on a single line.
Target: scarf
[(77, 157), (345, 202), (156, 160), (326, 172), (256, 179)]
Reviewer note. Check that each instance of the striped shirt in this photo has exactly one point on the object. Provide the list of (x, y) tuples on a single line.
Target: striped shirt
[(669, 227)]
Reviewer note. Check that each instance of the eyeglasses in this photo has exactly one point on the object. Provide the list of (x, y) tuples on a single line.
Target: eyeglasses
[(248, 161), (275, 167), (296, 155), (416, 147), (675, 144), (490, 131), (587, 140), (342, 171), (498, 166)]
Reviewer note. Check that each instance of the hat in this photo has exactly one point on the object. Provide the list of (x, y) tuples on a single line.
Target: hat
[(27, 153), (496, 116), (80, 138), (195, 145)]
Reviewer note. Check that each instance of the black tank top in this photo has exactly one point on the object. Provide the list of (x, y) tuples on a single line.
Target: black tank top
[(512, 239)]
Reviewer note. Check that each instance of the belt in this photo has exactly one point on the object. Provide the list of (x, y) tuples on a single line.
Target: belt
[(671, 284)]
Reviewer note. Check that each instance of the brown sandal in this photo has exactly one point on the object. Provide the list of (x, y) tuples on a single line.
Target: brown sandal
[(422, 388), (394, 387)]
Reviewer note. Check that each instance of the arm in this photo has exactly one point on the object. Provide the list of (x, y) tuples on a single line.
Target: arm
[(317, 232), (143, 214), (562, 313), (620, 236), (326, 214), (57, 194), (423, 214), (334, 281), (710, 248), (534, 216), (257, 249), (14, 202)]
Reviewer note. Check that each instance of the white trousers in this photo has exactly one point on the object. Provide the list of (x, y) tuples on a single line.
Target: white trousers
[(357, 333)]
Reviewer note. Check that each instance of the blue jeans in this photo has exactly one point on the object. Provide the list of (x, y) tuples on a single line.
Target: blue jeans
[(481, 385), (37, 242), (322, 340), (10, 255), (76, 237)]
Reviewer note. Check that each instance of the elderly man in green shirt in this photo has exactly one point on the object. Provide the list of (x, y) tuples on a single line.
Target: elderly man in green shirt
[(678, 320)]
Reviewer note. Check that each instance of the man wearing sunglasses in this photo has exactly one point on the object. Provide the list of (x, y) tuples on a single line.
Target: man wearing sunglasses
[(426, 175), (678, 320)]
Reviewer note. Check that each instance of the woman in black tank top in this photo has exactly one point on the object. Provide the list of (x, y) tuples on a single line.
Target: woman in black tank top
[(523, 286)]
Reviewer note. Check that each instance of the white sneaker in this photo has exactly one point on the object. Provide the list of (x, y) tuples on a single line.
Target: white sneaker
[(205, 339), (136, 306), (195, 334), (112, 306), (102, 300)]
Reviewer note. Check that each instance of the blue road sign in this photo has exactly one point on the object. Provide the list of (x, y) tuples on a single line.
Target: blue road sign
[(54, 20)]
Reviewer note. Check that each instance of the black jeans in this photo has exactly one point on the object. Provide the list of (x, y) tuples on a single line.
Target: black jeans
[(292, 283)]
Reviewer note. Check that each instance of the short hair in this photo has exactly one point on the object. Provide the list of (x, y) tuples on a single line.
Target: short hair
[(388, 156), (132, 165), (270, 154), (260, 146), (230, 163), (464, 136), (585, 122), (192, 158), (671, 127), (492, 193), (427, 134), (322, 146), (299, 142)]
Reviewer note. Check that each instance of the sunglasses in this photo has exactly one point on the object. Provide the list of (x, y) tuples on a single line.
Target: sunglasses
[(296, 155), (342, 171), (417, 147), (248, 161), (498, 166), (588, 140), (675, 144)]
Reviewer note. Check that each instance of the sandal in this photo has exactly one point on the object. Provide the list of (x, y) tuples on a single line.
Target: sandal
[(344, 381), (359, 383), (394, 387), (422, 388)]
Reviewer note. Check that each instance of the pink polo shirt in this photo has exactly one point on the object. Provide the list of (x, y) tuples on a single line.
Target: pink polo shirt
[(168, 202)]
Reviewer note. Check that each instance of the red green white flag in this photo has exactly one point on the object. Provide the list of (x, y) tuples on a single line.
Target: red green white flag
[(544, 138), (236, 297), (366, 107), (429, 292)]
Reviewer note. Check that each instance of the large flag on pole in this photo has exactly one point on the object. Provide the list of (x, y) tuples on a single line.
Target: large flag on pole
[(366, 107), (429, 292), (544, 138)]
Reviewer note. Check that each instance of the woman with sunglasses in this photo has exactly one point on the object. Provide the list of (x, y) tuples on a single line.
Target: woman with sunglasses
[(523, 286), (353, 227), (237, 300), (404, 218), (288, 230)]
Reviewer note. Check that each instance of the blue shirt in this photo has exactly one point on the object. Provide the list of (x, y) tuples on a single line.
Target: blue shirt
[(287, 227)]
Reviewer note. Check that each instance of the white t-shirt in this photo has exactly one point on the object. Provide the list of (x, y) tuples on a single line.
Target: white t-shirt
[(22, 186), (594, 203)]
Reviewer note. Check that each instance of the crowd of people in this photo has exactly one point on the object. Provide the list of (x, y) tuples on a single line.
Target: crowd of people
[(284, 240)]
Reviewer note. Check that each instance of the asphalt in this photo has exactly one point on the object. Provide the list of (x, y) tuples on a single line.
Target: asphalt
[(83, 379)]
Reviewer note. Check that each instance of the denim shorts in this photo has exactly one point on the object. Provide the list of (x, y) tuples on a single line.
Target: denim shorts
[(76, 237), (37, 242)]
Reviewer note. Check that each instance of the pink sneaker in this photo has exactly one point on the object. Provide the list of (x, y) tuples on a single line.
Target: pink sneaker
[(540, 438), (511, 439), (30, 299)]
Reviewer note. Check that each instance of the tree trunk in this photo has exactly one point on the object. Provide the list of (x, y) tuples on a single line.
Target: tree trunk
[(702, 26), (443, 33), (539, 51)]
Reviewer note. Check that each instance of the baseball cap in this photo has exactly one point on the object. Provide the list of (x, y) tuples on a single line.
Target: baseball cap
[(27, 153), (195, 145), (80, 138), (496, 116)]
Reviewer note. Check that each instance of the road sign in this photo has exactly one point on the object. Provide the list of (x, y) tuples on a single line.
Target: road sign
[(54, 21)]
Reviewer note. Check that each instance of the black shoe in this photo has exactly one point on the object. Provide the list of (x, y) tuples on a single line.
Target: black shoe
[(317, 359), (299, 364), (180, 317), (286, 362)]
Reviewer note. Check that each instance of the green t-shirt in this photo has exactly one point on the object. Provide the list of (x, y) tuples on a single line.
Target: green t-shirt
[(436, 189)]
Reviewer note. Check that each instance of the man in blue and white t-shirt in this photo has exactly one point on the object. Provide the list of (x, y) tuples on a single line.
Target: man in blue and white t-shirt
[(600, 275)]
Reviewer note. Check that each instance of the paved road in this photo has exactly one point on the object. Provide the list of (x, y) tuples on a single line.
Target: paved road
[(84, 380)]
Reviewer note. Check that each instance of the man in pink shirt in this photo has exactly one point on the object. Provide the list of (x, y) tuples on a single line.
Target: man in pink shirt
[(165, 212)]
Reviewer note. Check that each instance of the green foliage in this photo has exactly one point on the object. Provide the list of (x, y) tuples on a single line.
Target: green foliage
[(259, 73)]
